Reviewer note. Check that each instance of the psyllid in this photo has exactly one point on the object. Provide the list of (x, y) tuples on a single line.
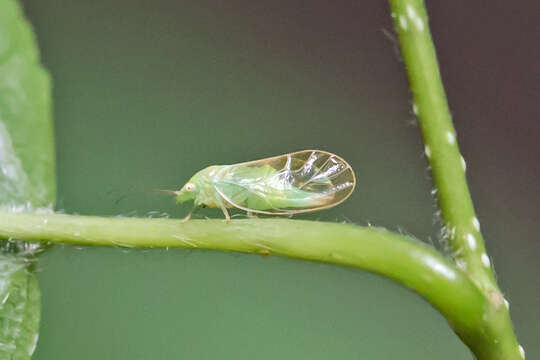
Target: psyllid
[(298, 182)]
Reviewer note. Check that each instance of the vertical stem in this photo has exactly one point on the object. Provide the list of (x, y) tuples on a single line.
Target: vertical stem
[(441, 147), (461, 225)]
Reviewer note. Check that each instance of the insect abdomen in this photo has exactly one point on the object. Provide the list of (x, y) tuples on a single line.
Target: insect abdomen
[(285, 199)]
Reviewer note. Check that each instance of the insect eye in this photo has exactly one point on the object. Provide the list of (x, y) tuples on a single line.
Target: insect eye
[(189, 187)]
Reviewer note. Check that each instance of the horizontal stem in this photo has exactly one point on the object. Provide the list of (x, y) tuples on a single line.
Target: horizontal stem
[(398, 257)]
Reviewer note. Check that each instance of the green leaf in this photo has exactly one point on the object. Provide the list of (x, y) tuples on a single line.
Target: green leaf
[(19, 309), (26, 135), (27, 175)]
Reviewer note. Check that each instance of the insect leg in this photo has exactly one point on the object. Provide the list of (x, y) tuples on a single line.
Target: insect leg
[(223, 208), (225, 212), (195, 207), (186, 218)]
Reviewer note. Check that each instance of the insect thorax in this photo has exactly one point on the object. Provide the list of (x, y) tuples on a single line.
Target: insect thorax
[(206, 180)]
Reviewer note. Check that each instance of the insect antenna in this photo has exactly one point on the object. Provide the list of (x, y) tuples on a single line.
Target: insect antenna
[(120, 196), (163, 191)]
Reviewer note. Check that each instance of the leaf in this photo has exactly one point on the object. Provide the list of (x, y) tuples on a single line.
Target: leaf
[(27, 175), (19, 309), (26, 134)]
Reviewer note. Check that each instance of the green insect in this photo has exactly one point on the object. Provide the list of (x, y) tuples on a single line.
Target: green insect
[(298, 182)]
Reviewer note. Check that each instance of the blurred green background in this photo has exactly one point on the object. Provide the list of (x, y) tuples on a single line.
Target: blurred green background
[(147, 93)]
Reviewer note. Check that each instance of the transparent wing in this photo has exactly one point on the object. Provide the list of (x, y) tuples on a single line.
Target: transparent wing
[(302, 181)]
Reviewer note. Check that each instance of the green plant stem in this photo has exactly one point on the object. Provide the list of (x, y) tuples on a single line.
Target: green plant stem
[(440, 140), (448, 167), (401, 258), (398, 257)]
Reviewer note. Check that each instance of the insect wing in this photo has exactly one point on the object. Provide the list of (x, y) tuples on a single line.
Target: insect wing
[(302, 181)]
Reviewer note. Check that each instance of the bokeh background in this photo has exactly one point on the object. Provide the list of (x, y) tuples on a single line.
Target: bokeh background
[(147, 93)]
